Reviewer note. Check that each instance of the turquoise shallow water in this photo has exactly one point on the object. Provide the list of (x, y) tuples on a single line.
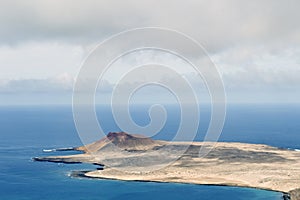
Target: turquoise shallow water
[(26, 131)]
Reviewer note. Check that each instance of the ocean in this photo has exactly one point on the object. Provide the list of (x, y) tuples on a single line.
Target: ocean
[(26, 130)]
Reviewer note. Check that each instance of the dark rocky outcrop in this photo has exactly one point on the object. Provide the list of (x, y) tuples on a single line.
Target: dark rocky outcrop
[(295, 194), (286, 196), (64, 159)]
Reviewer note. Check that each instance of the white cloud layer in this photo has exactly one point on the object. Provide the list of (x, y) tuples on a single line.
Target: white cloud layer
[(255, 44), (215, 23)]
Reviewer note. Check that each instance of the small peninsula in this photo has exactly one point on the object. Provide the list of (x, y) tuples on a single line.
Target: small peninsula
[(232, 164)]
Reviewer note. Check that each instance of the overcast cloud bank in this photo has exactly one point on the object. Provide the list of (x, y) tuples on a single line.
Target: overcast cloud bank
[(255, 44)]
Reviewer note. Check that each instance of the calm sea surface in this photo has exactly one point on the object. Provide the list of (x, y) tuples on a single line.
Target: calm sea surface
[(26, 131)]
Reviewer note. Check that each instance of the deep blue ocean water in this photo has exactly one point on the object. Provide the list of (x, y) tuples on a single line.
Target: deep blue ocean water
[(26, 130)]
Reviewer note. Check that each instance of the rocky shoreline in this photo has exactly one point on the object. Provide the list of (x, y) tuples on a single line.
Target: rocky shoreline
[(232, 164)]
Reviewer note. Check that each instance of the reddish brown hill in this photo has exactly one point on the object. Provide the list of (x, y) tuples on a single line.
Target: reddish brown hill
[(122, 140)]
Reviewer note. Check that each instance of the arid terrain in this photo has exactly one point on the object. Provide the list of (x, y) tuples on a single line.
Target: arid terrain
[(134, 157)]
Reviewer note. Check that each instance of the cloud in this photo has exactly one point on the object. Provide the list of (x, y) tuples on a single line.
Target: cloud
[(39, 60), (255, 44), (253, 67), (61, 83), (215, 24)]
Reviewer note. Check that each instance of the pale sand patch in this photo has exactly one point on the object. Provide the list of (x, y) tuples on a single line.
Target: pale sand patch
[(232, 164), (282, 175)]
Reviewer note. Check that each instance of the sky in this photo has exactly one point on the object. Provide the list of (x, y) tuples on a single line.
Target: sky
[(254, 44)]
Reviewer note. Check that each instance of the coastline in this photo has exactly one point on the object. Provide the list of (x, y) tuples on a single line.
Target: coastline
[(234, 164), (83, 174)]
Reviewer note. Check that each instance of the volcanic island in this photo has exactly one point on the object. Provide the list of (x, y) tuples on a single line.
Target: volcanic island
[(131, 157)]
